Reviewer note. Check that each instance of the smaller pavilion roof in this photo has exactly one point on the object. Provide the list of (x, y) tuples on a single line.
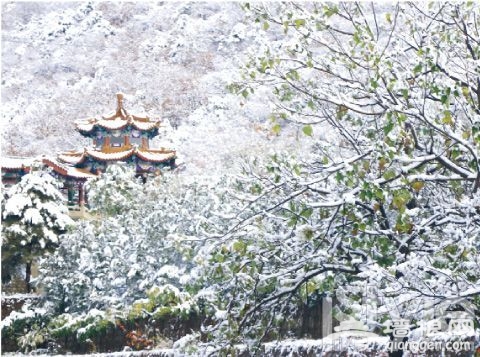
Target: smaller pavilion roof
[(66, 170), (16, 163)]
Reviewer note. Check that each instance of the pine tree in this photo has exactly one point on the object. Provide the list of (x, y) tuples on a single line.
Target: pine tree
[(33, 218)]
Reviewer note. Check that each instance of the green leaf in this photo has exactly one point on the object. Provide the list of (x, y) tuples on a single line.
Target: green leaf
[(239, 247), (292, 222), (330, 10), (388, 127), (266, 25), (307, 130), (417, 185), (299, 23), (307, 212), (388, 17), (444, 98), (379, 194), (447, 117), (417, 68), (356, 38), (297, 170), (339, 176), (276, 129), (293, 74), (390, 174)]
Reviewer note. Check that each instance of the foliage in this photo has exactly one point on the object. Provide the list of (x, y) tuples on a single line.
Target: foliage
[(162, 302), (130, 264), (33, 218), (115, 193), (391, 199), (142, 236), (25, 329)]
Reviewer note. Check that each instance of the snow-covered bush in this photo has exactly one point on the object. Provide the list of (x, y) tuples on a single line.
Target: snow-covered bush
[(25, 329), (133, 261)]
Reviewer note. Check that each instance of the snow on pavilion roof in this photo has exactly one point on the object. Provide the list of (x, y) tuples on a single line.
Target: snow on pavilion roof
[(160, 155), (110, 156), (66, 170), (118, 120), (16, 163), (71, 157), (155, 155)]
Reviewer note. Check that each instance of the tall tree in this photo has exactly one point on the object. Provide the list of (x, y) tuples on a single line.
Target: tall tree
[(33, 218), (392, 199)]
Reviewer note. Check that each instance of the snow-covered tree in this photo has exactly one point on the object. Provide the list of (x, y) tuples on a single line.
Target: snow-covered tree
[(140, 236), (391, 199), (116, 192), (34, 217)]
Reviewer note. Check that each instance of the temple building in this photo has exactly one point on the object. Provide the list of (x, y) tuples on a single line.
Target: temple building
[(119, 137), (14, 168)]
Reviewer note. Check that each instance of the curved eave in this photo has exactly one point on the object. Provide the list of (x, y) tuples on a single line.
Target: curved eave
[(111, 156), (80, 174), (25, 169), (90, 129), (68, 171), (146, 126), (156, 156), (72, 158), (55, 166)]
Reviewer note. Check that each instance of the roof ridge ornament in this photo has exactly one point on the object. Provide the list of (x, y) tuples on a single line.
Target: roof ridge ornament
[(121, 112)]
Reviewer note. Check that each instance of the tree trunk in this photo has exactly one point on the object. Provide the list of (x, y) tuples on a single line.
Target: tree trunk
[(28, 274)]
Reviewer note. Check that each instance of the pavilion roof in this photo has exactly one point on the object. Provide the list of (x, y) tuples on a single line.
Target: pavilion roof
[(16, 163), (118, 120), (117, 154), (67, 170)]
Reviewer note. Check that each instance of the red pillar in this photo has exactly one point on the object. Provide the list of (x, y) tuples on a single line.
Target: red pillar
[(81, 194), (85, 195)]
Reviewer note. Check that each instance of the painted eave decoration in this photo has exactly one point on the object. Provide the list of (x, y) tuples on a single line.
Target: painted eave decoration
[(159, 155)]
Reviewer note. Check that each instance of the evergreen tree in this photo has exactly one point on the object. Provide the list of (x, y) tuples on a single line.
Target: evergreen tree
[(33, 218), (141, 235)]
